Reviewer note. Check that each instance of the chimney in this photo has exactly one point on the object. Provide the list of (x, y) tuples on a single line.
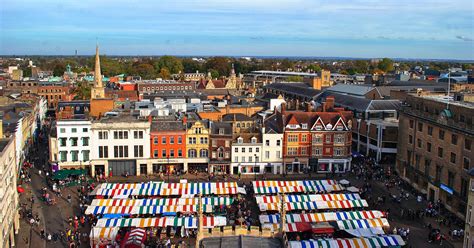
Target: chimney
[(185, 120), (330, 102), (324, 106), (309, 108)]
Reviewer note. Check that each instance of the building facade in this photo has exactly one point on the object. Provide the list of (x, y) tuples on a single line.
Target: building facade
[(220, 147), (10, 221), (247, 154), (54, 93), (73, 143), (120, 145), (197, 145), (435, 149), (168, 146), (469, 223), (272, 145)]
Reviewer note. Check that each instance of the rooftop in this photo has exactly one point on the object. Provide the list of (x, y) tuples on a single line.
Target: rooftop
[(3, 144), (352, 89), (285, 73), (445, 99)]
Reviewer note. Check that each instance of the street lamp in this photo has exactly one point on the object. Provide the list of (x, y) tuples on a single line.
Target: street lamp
[(254, 169), (168, 167)]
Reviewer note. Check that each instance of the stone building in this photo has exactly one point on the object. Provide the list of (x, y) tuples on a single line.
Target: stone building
[(435, 148)]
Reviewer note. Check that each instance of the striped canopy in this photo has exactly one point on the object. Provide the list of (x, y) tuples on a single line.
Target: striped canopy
[(322, 217), (274, 187), (313, 205), (356, 224), (187, 222), (153, 209), (308, 198), (104, 233), (215, 201), (367, 242)]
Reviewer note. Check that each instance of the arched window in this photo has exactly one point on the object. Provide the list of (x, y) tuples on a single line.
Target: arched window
[(238, 124), (191, 153), (220, 152), (203, 153)]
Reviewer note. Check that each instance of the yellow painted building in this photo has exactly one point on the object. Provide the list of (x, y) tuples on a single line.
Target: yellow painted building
[(197, 145)]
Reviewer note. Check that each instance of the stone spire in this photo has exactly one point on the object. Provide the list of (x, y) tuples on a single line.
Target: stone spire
[(97, 91)]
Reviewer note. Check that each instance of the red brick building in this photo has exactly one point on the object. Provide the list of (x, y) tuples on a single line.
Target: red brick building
[(319, 140), (168, 145), (55, 93), (220, 147)]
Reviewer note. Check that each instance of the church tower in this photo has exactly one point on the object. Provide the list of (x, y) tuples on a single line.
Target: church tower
[(97, 91)]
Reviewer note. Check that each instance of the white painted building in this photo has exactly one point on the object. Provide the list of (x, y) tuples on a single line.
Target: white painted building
[(73, 143), (272, 150), (247, 154), (120, 144)]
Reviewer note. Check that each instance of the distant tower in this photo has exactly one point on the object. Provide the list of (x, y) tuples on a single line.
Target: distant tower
[(97, 91), (76, 53)]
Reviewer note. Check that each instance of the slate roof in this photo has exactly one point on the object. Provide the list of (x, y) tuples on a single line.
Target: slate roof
[(236, 117), (273, 123), (160, 126), (299, 89), (352, 89), (215, 126), (360, 104)]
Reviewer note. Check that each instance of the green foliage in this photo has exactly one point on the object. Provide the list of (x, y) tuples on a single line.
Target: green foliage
[(59, 69), (214, 73), (294, 79), (360, 66), (165, 73), (171, 63), (385, 65), (191, 66), (27, 72), (82, 91), (220, 64), (146, 71), (313, 68)]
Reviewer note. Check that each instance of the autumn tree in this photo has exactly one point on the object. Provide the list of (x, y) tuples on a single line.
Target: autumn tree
[(171, 63), (220, 64), (385, 65)]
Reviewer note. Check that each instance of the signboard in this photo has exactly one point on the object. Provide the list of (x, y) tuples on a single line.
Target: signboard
[(446, 188)]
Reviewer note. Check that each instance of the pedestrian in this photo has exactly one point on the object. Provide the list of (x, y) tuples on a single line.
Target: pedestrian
[(69, 198)]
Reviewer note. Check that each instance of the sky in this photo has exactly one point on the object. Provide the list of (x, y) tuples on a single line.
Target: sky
[(436, 29)]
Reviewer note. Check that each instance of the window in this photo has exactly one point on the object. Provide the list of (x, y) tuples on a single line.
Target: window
[(85, 155), (103, 135), (292, 138), (292, 151), (198, 130), (180, 153), (120, 134), (338, 151), (304, 125), (192, 140), (339, 139), (243, 159), (411, 123), (172, 153), (155, 140), (191, 153), (62, 130), (450, 179), (180, 140), (257, 149), (155, 153), (103, 151), (328, 138), (243, 149), (138, 134), (267, 154), (163, 140), (84, 130), (85, 141), (428, 146), (204, 153), (214, 143), (267, 142), (316, 151), (138, 151), (303, 138), (220, 153), (221, 131), (236, 149), (278, 154), (441, 134), (203, 140), (440, 152), (74, 156), (163, 153), (418, 142), (467, 144), (278, 142), (453, 158), (439, 169), (121, 151), (427, 167), (250, 158), (73, 130), (62, 141), (420, 127), (466, 163), (254, 140), (454, 139), (236, 159), (410, 139), (73, 141), (303, 150), (63, 156), (250, 149), (430, 130)]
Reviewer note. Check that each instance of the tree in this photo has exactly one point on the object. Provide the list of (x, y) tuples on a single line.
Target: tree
[(82, 91), (313, 68), (59, 69), (165, 73), (220, 64), (146, 71), (385, 65), (27, 72), (361, 66), (294, 79), (214, 73), (171, 63), (190, 66)]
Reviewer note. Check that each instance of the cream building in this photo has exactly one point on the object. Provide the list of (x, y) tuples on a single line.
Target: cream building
[(197, 145), (9, 217), (73, 143)]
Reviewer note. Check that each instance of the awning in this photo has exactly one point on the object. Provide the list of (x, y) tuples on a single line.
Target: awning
[(214, 201), (63, 174), (356, 224), (308, 198), (366, 232), (98, 233), (322, 217), (369, 242), (314, 205), (187, 222)]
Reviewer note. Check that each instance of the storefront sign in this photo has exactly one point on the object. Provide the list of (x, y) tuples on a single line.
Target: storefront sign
[(446, 188)]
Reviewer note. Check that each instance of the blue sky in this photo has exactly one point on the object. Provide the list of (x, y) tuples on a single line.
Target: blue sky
[(441, 29)]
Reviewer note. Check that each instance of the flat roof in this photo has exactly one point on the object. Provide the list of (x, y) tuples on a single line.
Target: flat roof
[(285, 73), (444, 99)]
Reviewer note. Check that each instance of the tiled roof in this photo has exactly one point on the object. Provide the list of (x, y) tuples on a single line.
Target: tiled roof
[(216, 126), (351, 89), (236, 117), (299, 89), (157, 126)]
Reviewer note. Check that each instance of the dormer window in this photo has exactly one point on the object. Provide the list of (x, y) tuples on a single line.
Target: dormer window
[(319, 127), (304, 126), (254, 140), (329, 126), (339, 127), (240, 140), (221, 131)]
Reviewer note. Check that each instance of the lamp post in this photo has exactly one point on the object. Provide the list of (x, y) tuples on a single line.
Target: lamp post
[(168, 167), (254, 169)]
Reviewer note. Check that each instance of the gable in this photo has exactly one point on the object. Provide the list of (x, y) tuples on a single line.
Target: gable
[(340, 125), (318, 125)]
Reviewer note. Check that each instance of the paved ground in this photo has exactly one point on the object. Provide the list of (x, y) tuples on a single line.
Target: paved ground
[(56, 216)]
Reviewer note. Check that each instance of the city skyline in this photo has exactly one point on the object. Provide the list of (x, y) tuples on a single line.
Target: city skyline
[(359, 29)]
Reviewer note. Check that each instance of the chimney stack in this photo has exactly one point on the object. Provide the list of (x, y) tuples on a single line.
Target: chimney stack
[(330, 102)]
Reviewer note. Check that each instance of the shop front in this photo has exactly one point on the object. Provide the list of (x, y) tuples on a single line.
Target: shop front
[(164, 166), (248, 168), (333, 165), (295, 165), (219, 167)]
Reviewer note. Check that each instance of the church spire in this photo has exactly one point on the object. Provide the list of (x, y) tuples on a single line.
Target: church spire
[(97, 91)]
